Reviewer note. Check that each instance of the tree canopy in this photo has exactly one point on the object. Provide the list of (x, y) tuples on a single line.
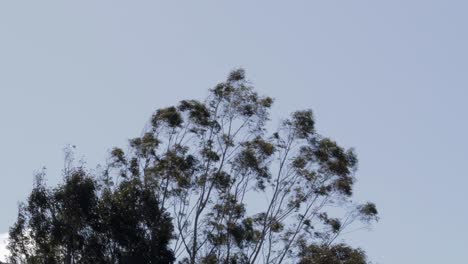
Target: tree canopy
[(207, 182), (83, 221)]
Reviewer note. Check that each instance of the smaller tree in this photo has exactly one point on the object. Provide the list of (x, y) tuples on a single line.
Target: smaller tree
[(86, 220)]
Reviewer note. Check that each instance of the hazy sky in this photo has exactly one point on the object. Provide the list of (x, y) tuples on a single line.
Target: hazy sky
[(386, 77)]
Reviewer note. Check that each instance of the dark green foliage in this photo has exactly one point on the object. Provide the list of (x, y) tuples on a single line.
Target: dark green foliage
[(368, 212), (144, 146), (336, 254), (169, 116), (83, 221), (303, 122), (198, 113), (136, 224)]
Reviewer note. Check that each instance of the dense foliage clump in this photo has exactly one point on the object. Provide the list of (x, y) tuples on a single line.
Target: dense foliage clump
[(84, 221)]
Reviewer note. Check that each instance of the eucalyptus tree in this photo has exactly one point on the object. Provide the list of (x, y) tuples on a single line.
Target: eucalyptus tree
[(237, 191)]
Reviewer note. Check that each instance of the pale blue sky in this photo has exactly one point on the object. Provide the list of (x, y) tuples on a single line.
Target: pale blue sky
[(386, 77)]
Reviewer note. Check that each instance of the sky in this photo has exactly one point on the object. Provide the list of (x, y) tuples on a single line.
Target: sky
[(385, 77)]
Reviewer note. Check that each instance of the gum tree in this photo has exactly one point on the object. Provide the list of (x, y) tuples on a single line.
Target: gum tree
[(238, 192)]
